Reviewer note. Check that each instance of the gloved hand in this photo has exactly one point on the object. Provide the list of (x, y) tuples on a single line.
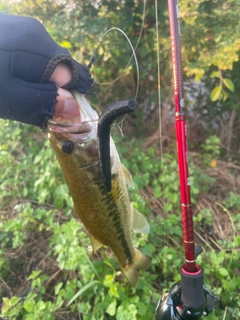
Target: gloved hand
[(28, 57)]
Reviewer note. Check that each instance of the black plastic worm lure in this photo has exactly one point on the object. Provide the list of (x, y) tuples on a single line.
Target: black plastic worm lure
[(105, 120)]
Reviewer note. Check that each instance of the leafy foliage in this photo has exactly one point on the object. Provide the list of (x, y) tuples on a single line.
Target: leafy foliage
[(95, 288)]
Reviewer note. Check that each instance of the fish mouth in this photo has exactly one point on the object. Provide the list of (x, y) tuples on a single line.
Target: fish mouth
[(75, 128), (86, 120)]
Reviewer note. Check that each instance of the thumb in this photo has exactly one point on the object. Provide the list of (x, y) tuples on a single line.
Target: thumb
[(66, 109)]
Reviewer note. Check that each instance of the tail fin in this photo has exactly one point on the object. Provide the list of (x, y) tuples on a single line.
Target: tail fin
[(140, 262)]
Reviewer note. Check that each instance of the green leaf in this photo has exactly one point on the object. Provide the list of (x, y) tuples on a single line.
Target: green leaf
[(225, 96), (65, 44), (58, 287), (216, 93), (229, 84), (167, 207), (237, 240), (111, 309), (142, 308), (214, 74), (11, 302), (29, 305), (218, 38), (82, 290), (113, 291), (61, 193), (109, 280), (223, 272), (34, 274)]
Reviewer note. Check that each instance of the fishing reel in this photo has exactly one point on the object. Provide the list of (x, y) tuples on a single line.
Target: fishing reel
[(188, 299), (171, 307)]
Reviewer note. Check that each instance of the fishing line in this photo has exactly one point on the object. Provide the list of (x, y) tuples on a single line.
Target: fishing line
[(160, 120), (133, 54), (120, 123), (132, 48)]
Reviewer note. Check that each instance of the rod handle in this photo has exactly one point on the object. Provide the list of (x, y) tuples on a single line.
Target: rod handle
[(192, 293)]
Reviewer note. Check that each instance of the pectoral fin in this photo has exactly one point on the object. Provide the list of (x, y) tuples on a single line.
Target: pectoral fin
[(95, 245), (139, 223), (128, 177)]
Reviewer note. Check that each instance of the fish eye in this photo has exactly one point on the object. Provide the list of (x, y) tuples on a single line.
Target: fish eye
[(67, 147)]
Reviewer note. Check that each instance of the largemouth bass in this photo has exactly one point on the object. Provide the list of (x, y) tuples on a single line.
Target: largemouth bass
[(108, 216)]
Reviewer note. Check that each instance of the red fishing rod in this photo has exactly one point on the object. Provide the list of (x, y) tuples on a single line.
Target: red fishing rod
[(181, 135), (188, 299)]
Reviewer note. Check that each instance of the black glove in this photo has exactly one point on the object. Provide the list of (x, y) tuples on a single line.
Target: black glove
[(28, 56)]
